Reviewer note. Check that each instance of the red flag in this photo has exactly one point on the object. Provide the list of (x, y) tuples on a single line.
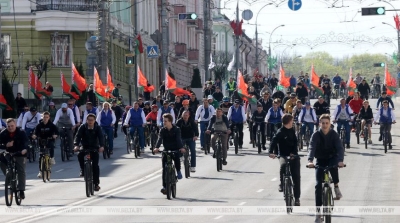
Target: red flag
[(180, 91), (237, 27), (351, 85), (98, 86), (169, 82), (397, 21), (140, 46), (315, 81), (110, 84), (390, 82), (283, 80), (149, 88), (78, 81), (242, 88), (33, 84), (66, 88), (3, 103), (141, 79)]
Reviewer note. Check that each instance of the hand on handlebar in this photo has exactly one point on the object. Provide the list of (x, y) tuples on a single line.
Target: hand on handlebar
[(156, 150), (76, 148), (208, 132), (272, 155), (24, 151), (340, 164)]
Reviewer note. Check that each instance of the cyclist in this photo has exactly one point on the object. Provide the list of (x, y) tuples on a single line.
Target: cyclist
[(266, 101), (356, 104), (320, 107), (336, 83), (258, 118), (301, 92), (163, 110), (274, 117), (342, 115), (65, 118), (326, 147), (90, 135), (218, 94), (364, 89), (170, 137), (296, 110), (212, 102), (21, 116), (343, 88), (14, 140), (366, 117), (220, 123), (308, 118), (146, 108), (123, 128), (46, 130), (190, 133), (230, 86), (291, 103), (376, 82), (358, 79), (327, 92), (286, 98), (384, 97), (226, 105), (152, 116), (286, 138), (278, 93), (135, 119), (89, 109), (237, 117), (118, 114), (385, 116), (30, 121), (75, 112), (185, 107), (106, 119), (204, 113)]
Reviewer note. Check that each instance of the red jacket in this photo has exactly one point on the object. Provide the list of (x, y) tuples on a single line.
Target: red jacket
[(356, 105)]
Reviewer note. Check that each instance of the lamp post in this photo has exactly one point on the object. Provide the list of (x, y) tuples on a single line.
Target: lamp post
[(257, 63), (290, 46), (269, 47), (398, 44)]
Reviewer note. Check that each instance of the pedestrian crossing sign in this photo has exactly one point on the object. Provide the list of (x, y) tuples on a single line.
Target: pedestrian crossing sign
[(152, 51)]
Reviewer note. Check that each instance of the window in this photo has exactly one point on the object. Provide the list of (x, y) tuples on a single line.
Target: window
[(6, 46), (60, 50)]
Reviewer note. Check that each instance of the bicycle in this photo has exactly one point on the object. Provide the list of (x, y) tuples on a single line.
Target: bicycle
[(64, 145), (88, 171), (236, 138), (252, 139), (135, 143), (327, 196), (288, 184), (32, 148), (306, 138), (298, 135), (218, 153), (258, 137), (106, 151), (186, 161), (11, 181), (170, 177), (44, 160), (207, 143), (366, 132), (276, 126), (358, 129), (153, 137), (386, 136)]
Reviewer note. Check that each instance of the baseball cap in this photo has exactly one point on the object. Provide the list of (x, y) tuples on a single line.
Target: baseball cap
[(292, 95), (210, 97), (33, 109), (308, 103), (51, 103), (64, 105), (237, 101)]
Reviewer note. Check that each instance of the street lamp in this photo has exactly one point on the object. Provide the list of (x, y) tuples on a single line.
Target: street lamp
[(269, 45), (290, 46), (398, 42), (257, 32)]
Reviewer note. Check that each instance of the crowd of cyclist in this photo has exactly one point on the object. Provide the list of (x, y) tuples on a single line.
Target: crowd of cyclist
[(187, 118)]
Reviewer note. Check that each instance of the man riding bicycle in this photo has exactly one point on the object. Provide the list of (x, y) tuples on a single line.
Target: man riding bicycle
[(296, 110), (106, 119), (366, 117), (286, 138), (336, 83), (48, 131), (384, 97), (90, 135), (226, 105), (170, 137), (308, 118), (327, 148), (343, 116), (258, 118), (65, 118), (274, 117), (385, 117), (14, 140), (376, 83), (291, 103), (135, 119), (364, 89), (327, 92), (204, 112), (219, 122), (356, 104), (90, 109), (164, 110), (190, 133), (30, 121), (237, 117)]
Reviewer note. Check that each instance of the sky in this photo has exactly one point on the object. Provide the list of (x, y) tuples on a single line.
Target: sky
[(317, 20)]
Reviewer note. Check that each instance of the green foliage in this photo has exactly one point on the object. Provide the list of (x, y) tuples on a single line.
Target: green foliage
[(9, 96), (196, 79)]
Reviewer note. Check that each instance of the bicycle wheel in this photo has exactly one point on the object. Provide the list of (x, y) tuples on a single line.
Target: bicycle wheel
[(128, 146), (91, 181), (137, 151), (34, 147), (17, 196), (30, 155), (186, 162), (384, 139), (173, 184), (8, 192), (287, 192), (168, 183), (62, 149), (236, 142), (43, 168), (87, 177), (342, 137), (218, 157), (105, 147), (366, 138), (327, 203), (205, 144), (67, 151), (358, 133)]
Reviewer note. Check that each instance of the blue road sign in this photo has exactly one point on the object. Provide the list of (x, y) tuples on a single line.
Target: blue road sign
[(294, 4), (398, 75), (152, 51)]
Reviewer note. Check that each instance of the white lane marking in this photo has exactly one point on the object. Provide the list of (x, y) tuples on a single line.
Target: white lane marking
[(218, 217), (274, 179), (260, 190), (59, 170), (242, 203)]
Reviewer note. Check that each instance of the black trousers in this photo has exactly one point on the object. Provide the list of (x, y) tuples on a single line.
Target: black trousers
[(50, 145), (239, 127), (319, 176), (262, 129), (177, 163), (94, 156), (294, 170), (116, 129)]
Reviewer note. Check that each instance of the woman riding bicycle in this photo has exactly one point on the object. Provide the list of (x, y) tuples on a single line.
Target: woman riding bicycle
[(366, 117)]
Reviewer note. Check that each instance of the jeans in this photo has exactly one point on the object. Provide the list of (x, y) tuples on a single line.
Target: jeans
[(94, 156), (239, 128), (203, 127), (310, 126), (262, 129), (319, 177), (192, 146), (177, 163), (140, 130), (50, 145), (346, 127), (224, 142), (382, 129), (110, 134), (294, 170), (69, 138), (28, 132), (20, 163)]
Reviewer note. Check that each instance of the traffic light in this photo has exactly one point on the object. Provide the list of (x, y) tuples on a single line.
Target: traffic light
[(187, 16), (129, 60), (373, 11), (379, 64)]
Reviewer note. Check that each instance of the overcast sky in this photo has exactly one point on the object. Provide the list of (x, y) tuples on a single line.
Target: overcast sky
[(315, 19)]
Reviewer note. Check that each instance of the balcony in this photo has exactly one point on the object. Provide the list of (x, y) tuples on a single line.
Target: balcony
[(180, 50), (179, 9), (199, 27), (193, 56), (67, 5)]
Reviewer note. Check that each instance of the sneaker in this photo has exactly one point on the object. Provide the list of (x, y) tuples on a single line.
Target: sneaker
[(338, 193), (39, 174), (318, 218), (52, 161), (214, 154), (111, 152), (296, 202), (142, 150), (369, 141), (380, 138), (96, 187), (22, 194), (163, 191), (264, 148), (131, 142), (390, 146), (193, 169), (224, 162), (179, 175), (81, 174), (230, 142), (280, 189), (348, 146)]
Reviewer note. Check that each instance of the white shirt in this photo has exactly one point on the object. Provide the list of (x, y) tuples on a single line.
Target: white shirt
[(159, 115), (230, 113), (342, 110), (69, 113), (307, 116), (384, 113), (86, 113), (30, 121), (269, 114), (201, 110), (98, 119), (19, 121), (77, 113), (128, 117)]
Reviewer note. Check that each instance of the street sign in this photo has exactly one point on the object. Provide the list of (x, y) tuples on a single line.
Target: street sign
[(152, 51), (90, 44), (398, 75), (294, 4), (247, 14)]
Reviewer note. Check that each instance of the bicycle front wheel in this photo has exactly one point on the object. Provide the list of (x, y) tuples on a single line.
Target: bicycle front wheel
[(236, 143), (8, 192), (385, 141), (43, 168), (218, 157), (328, 204), (88, 179), (187, 170), (259, 142), (62, 150), (288, 195)]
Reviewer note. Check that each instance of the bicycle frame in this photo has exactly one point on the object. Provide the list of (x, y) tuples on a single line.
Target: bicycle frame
[(170, 178), (88, 171), (11, 180)]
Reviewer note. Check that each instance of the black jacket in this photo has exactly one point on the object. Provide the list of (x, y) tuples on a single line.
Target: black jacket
[(381, 99), (330, 147), (191, 113), (366, 114), (363, 89), (218, 96), (92, 97), (21, 103), (287, 141), (321, 109), (301, 92), (259, 117), (20, 141), (188, 129), (45, 131), (117, 111), (266, 105), (278, 94), (327, 90), (171, 139), (89, 138), (212, 122)]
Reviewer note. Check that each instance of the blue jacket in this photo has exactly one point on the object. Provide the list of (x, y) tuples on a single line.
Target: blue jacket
[(164, 111), (136, 117), (304, 113), (106, 119), (336, 80), (293, 81), (236, 116), (275, 117), (384, 119)]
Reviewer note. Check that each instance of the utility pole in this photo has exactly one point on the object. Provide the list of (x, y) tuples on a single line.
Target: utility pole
[(237, 57), (1, 65), (207, 38), (135, 75), (256, 46), (164, 28), (102, 45)]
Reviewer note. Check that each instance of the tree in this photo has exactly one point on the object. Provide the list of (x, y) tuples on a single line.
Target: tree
[(196, 79), (221, 60), (83, 95), (42, 65)]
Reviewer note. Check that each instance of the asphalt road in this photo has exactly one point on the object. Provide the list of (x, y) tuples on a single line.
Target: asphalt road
[(247, 183)]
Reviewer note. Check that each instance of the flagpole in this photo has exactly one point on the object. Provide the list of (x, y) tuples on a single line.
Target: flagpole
[(237, 40)]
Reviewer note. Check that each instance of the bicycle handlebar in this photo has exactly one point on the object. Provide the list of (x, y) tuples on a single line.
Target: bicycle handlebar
[(324, 167)]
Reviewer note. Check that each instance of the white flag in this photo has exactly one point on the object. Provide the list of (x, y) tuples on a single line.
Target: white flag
[(231, 64), (212, 64)]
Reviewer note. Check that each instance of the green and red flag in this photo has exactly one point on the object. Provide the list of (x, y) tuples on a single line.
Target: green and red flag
[(66, 88), (99, 88), (78, 82), (110, 84), (351, 85), (283, 80), (390, 83), (139, 45), (315, 81), (142, 82), (32, 84), (242, 89), (3, 103)]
